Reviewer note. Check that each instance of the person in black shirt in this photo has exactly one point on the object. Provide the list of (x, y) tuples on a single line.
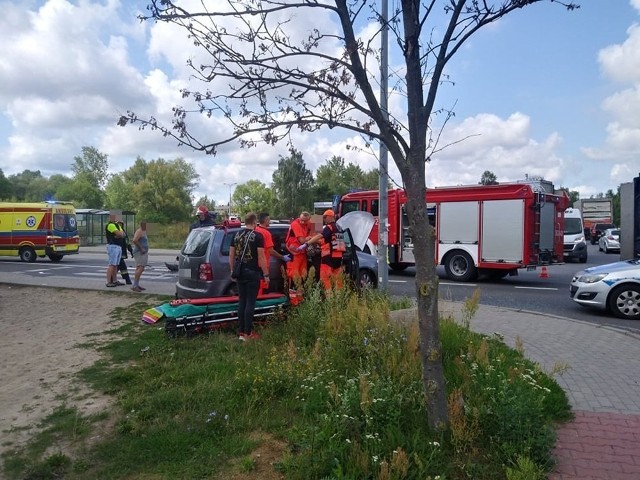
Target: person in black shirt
[(204, 218), (114, 251), (126, 247), (248, 250)]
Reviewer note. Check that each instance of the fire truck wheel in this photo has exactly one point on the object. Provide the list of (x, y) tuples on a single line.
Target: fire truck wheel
[(459, 267), (398, 267), (27, 254), (55, 258)]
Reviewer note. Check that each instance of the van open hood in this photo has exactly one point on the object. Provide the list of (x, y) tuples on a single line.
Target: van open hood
[(360, 224)]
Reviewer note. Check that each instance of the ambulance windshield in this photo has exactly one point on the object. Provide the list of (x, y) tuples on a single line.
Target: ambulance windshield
[(64, 222)]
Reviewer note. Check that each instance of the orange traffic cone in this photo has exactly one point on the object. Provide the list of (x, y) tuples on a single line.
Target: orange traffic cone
[(543, 272)]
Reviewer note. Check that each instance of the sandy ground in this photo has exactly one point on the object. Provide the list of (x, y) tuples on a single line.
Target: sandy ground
[(40, 353), (42, 329)]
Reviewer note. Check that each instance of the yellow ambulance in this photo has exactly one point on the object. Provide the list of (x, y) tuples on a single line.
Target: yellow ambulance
[(31, 230)]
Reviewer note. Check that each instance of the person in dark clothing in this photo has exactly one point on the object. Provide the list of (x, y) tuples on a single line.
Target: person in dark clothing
[(204, 218), (332, 248), (126, 247), (248, 250), (114, 251)]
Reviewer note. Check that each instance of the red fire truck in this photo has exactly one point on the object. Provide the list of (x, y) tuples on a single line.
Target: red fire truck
[(489, 229)]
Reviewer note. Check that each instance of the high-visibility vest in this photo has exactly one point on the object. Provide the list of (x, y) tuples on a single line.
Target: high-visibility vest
[(336, 247)]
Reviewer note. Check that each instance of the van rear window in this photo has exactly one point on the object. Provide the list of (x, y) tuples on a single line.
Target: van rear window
[(197, 243)]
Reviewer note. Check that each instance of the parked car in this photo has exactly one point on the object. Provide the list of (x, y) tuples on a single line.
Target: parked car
[(614, 287), (597, 229), (203, 263), (609, 241)]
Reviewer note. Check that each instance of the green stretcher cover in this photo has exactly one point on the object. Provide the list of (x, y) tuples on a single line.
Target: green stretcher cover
[(189, 317)]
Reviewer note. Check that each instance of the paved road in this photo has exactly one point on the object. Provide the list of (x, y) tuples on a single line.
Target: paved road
[(87, 270)]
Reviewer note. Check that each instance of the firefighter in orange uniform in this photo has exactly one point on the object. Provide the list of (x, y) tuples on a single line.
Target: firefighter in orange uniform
[(332, 250), (299, 233), (264, 220), (332, 246)]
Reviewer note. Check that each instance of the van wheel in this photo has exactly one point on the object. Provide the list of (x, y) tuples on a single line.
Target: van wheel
[(459, 267), (55, 258), (27, 254), (367, 280)]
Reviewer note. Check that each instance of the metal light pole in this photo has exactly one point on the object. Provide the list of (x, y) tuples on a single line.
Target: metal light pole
[(230, 185), (383, 235)]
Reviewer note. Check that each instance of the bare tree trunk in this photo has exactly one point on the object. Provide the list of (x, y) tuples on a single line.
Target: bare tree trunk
[(423, 237)]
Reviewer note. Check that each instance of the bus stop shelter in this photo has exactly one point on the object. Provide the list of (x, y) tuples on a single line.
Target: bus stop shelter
[(92, 222)]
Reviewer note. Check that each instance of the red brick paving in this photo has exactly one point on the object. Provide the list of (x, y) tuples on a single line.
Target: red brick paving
[(598, 446)]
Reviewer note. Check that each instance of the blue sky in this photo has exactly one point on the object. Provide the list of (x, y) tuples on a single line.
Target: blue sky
[(543, 92)]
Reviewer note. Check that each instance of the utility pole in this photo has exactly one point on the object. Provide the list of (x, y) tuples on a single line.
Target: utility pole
[(230, 185), (383, 214)]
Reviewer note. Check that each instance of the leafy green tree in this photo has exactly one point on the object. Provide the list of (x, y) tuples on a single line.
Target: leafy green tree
[(165, 194), (118, 193), (60, 187), (337, 178), (293, 186), (269, 81), (22, 183), (6, 192), (330, 176), (159, 191), (137, 173), (90, 177), (91, 166), (252, 196), (488, 178), (86, 195)]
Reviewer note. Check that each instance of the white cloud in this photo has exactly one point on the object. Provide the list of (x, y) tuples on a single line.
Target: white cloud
[(622, 62), (70, 68), (621, 150), (504, 147)]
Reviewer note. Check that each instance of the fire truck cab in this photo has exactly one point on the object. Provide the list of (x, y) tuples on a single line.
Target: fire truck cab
[(31, 230), (490, 229)]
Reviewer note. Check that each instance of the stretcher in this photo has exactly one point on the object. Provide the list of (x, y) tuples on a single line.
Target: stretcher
[(200, 315)]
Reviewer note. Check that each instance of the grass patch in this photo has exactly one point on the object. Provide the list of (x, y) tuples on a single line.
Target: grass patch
[(168, 236), (333, 392)]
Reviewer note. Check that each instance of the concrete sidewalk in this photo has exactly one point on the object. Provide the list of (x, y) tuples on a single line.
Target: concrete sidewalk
[(602, 383)]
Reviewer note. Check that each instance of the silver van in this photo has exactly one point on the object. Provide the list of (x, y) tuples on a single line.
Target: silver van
[(203, 263)]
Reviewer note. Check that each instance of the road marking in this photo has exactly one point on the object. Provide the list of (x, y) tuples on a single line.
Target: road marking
[(537, 288), (457, 284)]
